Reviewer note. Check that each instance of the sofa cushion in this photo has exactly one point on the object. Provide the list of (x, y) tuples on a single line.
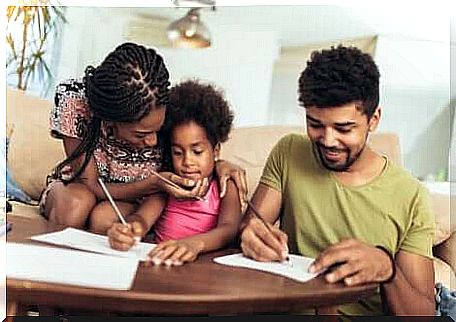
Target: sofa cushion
[(249, 148), (443, 201), (32, 153), (444, 274), (447, 251)]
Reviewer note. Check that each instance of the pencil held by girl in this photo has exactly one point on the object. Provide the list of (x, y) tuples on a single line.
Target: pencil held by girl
[(198, 120), (110, 124)]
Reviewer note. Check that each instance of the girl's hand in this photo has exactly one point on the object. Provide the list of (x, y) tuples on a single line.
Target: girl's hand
[(227, 170), (185, 189), (123, 237), (175, 252)]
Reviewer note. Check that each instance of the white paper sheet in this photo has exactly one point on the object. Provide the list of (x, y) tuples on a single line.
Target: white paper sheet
[(295, 269), (84, 240), (68, 266)]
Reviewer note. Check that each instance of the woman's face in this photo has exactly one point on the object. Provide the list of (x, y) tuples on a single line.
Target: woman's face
[(143, 133)]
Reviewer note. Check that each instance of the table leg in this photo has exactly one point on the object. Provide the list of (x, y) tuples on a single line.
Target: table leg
[(11, 308), (15, 309), (330, 313), (46, 311)]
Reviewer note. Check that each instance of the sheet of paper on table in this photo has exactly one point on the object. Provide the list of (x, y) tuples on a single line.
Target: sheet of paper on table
[(83, 240), (295, 269), (69, 266)]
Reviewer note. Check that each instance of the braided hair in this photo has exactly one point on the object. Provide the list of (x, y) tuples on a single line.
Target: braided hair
[(129, 82)]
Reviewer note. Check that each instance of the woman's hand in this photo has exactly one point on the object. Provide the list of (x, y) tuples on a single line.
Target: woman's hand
[(175, 252), (227, 170), (184, 188), (123, 237)]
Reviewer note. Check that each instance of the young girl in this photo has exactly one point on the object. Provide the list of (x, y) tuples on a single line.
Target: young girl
[(109, 124), (198, 120)]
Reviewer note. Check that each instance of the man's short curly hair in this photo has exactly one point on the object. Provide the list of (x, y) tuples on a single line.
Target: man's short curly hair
[(202, 103), (338, 76)]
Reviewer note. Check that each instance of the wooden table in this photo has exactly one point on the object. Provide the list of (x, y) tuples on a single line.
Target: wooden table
[(202, 287)]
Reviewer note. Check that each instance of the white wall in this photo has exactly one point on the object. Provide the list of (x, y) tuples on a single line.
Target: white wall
[(452, 158), (414, 81), (239, 61), (88, 36), (414, 97)]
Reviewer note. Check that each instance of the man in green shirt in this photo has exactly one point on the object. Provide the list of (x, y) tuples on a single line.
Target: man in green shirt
[(341, 202)]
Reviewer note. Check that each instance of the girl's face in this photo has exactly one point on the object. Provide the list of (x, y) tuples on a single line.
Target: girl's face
[(192, 153), (143, 133)]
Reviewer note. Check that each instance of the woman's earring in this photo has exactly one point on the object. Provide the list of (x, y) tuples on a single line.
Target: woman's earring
[(215, 159)]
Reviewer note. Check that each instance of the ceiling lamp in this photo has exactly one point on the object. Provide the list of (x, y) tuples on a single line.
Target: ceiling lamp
[(194, 3), (189, 31)]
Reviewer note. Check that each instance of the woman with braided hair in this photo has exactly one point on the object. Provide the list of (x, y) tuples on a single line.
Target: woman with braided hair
[(109, 122)]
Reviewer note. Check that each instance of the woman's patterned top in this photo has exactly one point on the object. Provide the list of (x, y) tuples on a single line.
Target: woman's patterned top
[(116, 160)]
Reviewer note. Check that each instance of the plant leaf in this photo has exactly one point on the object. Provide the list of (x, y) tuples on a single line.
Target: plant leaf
[(27, 49)]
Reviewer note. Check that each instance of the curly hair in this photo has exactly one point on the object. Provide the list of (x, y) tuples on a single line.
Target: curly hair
[(339, 76), (129, 82), (203, 104)]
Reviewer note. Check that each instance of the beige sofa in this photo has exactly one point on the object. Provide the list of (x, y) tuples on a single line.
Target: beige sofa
[(32, 153)]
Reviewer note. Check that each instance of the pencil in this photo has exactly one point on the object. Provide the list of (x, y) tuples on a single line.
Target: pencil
[(171, 183), (116, 209), (113, 204), (257, 214)]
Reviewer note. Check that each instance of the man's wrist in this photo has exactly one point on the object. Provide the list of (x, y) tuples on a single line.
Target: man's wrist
[(392, 261), (244, 223)]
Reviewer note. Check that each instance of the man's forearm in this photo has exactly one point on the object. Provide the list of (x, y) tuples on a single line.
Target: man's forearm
[(403, 299)]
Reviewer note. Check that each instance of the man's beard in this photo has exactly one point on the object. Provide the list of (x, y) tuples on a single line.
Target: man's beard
[(332, 166)]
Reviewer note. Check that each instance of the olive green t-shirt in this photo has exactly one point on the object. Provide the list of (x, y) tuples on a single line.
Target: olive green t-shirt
[(392, 210)]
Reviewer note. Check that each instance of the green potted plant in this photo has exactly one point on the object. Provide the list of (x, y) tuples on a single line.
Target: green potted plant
[(29, 35), (31, 32)]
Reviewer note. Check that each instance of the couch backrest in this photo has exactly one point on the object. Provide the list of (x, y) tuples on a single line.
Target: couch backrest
[(33, 153), (250, 146)]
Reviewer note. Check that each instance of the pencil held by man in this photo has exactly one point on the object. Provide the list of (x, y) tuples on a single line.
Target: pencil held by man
[(268, 227), (364, 219), (273, 241)]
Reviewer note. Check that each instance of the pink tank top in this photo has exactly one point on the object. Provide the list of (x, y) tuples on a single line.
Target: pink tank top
[(182, 219)]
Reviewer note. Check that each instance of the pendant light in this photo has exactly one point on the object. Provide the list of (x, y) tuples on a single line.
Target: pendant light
[(189, 31)]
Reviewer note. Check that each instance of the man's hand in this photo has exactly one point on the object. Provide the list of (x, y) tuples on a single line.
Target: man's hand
[(227, 170), (123, 237), (262, 244), (362, 263)]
